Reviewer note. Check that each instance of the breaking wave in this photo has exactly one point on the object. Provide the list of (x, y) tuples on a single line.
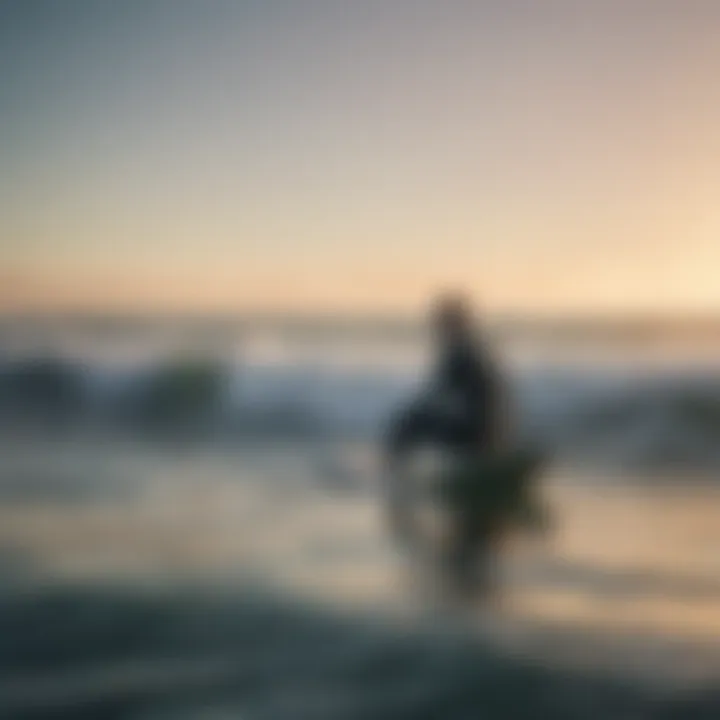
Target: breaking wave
[(639, 419)]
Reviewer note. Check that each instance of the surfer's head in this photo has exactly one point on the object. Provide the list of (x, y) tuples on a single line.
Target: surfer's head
[(452, 316)]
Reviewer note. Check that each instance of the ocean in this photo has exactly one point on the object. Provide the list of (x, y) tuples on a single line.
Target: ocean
[(190, 527)]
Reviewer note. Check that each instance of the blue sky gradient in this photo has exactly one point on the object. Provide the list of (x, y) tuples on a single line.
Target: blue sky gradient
[(358, 154)]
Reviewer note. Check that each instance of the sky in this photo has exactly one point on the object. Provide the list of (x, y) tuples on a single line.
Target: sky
[(359, 155)]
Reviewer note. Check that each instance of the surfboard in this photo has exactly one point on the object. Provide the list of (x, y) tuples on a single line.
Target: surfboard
[(499, 490), (497, 487)]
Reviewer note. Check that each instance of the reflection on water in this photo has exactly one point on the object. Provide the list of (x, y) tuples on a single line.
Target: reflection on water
[(627, 561)]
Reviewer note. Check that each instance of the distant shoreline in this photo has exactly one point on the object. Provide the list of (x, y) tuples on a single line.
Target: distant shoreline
[(572, 327)]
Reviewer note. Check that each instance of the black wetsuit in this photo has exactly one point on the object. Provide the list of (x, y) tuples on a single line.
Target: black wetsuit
[(460, 411)]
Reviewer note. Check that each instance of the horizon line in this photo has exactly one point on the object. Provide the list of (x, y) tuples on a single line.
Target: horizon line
[(290, 316)]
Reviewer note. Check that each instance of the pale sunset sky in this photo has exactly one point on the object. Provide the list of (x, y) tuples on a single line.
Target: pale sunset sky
[(356, 155)]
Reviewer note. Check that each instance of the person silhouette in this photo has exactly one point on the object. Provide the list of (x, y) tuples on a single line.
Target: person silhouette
[(463, 411), (463, 408)]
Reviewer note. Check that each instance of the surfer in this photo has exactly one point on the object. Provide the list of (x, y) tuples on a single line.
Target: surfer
[(463, 408), (463, 411)]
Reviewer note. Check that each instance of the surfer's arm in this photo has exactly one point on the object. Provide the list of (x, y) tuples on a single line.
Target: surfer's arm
[(404, 428), (502, 416), (490, 399)]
